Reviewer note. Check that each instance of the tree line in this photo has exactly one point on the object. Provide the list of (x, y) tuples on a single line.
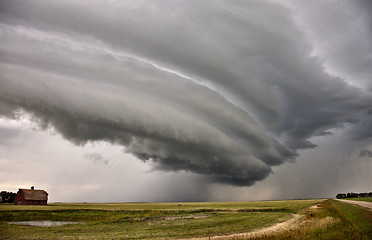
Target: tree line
[(353, 195), (7, 197)]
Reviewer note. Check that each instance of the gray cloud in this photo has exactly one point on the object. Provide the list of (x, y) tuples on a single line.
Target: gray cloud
[(96, 158), (365, 153), (340, 32), (224, 90), (7, 135)]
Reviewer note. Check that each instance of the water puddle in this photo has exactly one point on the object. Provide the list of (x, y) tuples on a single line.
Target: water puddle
[(45, 223)]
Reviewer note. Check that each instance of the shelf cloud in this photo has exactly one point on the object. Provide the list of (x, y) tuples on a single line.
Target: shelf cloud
[(223, 89)]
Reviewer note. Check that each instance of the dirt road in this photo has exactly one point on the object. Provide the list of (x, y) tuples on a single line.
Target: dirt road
[(279, 227), (360, 203)]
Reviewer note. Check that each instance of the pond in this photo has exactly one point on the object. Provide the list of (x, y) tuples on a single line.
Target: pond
[(44, 223)]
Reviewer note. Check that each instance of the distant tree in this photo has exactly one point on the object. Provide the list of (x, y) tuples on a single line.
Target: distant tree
[(341, 195), (352, 195), (7, 197), (3, 196), (363, 194)]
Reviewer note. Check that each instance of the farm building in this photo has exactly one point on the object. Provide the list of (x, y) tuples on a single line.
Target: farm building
[(31, 197)]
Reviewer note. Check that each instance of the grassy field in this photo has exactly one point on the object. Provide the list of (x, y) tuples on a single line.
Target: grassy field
[(364, 199), (332, 220), (357, 216), (179, 220)]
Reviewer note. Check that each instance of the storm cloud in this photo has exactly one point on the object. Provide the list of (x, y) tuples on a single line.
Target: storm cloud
[(365, 153), (223, 89)]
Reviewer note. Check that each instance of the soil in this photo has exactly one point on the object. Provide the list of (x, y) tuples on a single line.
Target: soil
[(292, 223), (283, 226)]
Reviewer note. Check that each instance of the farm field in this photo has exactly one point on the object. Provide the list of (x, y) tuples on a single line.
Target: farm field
[(363, 199), (314, 219)]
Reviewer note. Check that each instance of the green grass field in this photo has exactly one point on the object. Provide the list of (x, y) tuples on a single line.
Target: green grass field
[(173, 220), (357, 216), (364, 199), (333, 220)]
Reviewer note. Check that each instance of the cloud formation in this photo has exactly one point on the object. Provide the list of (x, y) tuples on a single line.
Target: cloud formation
[(226, 90), (339, 31), (96, 158), (365, 153)]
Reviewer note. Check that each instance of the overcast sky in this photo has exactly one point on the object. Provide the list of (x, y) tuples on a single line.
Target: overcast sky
[(191, 100)]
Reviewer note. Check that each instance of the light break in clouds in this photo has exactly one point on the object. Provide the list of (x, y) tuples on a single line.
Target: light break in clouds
[(209, 95)]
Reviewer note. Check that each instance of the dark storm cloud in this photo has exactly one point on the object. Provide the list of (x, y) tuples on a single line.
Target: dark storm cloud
[(361, 128), (341, 33), (365, 153), (222, 89)]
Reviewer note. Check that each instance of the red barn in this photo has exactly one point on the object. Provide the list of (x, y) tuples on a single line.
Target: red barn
[(31, 197)]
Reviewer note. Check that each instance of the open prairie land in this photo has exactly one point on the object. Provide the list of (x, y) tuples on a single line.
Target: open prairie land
[(363, 199), (295, 219)]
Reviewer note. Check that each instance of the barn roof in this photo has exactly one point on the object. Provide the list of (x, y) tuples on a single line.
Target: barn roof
[(34, 194)]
